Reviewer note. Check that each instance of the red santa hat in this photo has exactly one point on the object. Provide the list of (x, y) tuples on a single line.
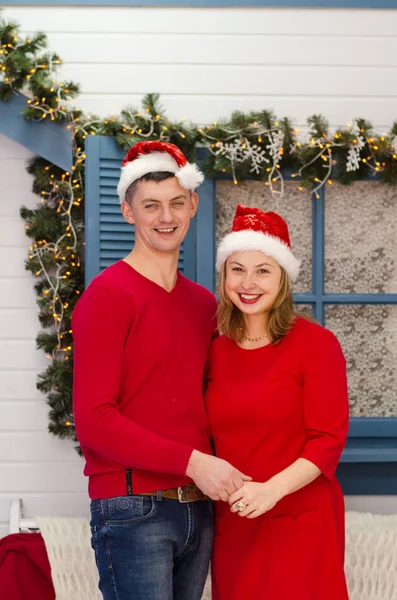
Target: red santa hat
[(254, 229), (151, 157)]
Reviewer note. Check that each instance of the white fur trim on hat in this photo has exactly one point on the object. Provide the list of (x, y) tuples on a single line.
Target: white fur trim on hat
[(248, 239), (189, 176)]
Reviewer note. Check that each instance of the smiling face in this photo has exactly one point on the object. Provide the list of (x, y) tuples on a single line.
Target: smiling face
[(161, 213), (252, 281)]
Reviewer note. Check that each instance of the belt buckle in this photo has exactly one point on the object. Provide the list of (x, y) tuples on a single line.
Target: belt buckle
[(181, 496)]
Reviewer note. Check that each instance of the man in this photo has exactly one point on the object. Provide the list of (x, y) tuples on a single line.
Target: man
[(142, 331)]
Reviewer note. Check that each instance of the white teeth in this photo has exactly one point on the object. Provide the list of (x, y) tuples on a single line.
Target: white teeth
[(249, 296), (166, 230)]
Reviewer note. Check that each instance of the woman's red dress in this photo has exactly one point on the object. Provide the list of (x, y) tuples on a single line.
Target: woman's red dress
[(268, 407)]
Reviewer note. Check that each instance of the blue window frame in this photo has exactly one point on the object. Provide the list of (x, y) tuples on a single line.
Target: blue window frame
[(214, 3)]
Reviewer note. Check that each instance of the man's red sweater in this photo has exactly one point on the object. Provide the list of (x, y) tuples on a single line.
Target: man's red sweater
[(139, 357)]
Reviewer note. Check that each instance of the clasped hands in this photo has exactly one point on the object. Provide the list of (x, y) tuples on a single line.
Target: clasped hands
[(219, 480)]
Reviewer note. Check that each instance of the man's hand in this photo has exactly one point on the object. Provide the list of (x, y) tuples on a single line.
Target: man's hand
[(215, 477)]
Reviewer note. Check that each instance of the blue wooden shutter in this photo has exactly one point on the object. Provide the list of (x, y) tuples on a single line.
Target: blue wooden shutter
[(109, 238)]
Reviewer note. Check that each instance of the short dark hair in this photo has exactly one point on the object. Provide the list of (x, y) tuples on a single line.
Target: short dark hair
[(157, 177)]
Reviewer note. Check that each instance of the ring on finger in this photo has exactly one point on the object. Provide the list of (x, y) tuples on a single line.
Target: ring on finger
[(240, 506)]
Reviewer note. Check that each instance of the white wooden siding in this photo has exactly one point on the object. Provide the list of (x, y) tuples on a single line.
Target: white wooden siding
[(208, 62), (45, 471)]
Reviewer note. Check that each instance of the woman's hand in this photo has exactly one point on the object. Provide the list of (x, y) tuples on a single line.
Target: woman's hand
[(257, 498)]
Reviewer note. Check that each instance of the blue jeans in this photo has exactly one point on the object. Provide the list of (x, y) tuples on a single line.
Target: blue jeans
[(149, 548)]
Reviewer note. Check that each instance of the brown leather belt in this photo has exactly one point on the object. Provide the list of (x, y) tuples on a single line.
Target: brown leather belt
[(186, 493)]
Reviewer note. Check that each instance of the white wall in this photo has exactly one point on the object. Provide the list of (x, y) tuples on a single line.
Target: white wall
[(208, 62), (43, 470), (205, 63)]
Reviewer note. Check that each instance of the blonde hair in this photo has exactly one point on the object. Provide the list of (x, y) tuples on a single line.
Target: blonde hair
[(281, 314)]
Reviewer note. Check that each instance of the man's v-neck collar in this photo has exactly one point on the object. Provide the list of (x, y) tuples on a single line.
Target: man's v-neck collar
[(153, 283)]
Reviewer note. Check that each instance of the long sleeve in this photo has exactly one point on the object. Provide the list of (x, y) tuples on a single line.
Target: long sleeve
[(101, 325), (325, 402)]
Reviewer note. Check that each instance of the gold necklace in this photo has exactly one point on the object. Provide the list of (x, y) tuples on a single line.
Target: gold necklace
[(248, 339)]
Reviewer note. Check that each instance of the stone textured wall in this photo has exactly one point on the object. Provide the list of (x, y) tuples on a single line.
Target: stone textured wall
[(360, 257), (361, 238)]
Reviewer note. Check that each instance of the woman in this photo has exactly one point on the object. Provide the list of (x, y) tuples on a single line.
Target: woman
[(278, 410)]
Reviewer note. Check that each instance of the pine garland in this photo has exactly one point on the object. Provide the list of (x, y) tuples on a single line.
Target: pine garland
[(260, 147), (255, 145)]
